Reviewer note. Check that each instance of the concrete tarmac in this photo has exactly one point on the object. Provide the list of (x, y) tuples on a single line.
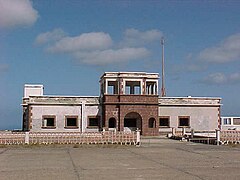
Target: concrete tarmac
[(154, 159)]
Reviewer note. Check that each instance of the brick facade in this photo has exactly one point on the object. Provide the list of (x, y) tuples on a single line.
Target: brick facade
[(118, 106)]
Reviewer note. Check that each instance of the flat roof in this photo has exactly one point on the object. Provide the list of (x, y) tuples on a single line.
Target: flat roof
[(130, 74)]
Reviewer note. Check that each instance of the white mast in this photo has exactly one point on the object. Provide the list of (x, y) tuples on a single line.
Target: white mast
[(163, 92)]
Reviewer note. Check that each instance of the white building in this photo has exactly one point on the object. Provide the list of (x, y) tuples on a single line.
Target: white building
[(230, 123), (127, 101)]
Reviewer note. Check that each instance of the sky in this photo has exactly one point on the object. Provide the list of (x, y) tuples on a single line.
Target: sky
[(66, 45)]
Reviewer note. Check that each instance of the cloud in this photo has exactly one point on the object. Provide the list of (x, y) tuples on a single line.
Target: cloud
[(50, 36), (226, 51), (111, 56), (17, 13), (98, 48), (85, 41), (220, 78), (134, 37)]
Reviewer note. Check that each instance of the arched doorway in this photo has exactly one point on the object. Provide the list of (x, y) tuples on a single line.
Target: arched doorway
[(112, 123), (132, 122)]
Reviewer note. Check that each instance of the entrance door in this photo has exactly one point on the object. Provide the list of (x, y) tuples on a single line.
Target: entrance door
[(132, 122)]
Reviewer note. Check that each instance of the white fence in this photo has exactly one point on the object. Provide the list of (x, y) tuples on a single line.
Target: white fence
[(219, 137), (106, 137), (230, 136)]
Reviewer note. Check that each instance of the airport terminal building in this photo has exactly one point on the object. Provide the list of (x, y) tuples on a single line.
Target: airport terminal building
[(128, 101)]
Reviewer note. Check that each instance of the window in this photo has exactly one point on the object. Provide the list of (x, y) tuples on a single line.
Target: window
[(112, 123), (112, 87), (71, 122), (164, 121), (151, 123), (226, 121), (236, 121), (93, 121), (49, 121), (184, 121), (151, 87), (133, 87)]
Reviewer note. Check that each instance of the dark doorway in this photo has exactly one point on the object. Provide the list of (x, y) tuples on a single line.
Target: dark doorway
[(112, 123), (132, 122)]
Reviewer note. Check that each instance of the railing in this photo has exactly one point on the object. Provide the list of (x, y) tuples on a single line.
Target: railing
[(230, 136), (107, 137), (12, 138)]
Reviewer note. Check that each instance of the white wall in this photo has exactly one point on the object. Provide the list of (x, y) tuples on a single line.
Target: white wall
[(59, 111), (201, 118), (90, 110)]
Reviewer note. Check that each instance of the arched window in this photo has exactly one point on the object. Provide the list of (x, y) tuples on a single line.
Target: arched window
[(152, 123), (112, 123)]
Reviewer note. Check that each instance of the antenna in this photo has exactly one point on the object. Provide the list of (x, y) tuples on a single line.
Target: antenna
[(163, 92)]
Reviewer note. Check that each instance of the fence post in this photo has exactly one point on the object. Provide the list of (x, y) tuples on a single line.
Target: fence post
[(183, 131), (173, 131), (192, 133), (26, 137), (138, 138), (218, 136)]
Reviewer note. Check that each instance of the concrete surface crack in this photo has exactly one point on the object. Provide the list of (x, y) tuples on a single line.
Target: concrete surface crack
[(74, 167)]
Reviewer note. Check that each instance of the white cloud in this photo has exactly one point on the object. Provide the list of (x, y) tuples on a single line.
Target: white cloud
[(220, 78), (226, 51), (17, 13), (97, 48), (111, 56), (134, 37), (85, 41), (50, 36)]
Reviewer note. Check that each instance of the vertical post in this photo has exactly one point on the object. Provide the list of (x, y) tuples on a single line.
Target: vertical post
[(173, 131), (138, 138), (83, 119), (163, 92), (183, 131), (218, 136), (26, 137), (192, 133)]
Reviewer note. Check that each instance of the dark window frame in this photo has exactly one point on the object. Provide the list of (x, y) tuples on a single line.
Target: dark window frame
[(89, 123), (112, 87), (164, 117), (236, 121), (71, 117), (49, 117), (181, 118), (110, 123), (152, 122)]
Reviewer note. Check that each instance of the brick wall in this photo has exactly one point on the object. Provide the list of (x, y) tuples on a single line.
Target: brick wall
[(118, 106)]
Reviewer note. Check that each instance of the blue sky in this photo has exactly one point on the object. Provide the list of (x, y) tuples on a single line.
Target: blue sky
[(67, 45)]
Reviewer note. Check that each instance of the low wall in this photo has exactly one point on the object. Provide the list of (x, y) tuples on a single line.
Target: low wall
[(230, 136), (106, 137)]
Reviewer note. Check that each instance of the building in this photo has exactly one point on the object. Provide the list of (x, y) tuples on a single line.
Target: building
[(230, 123), (128, 101)]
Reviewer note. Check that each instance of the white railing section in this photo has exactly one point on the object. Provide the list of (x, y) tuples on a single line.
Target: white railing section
[(12, 138), (230, 136), (106, 137)]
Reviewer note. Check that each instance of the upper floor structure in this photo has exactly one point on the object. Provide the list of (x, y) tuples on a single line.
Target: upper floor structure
[(129, 83)]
